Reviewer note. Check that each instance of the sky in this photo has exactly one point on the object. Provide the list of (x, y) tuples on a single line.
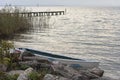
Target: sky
[(63, 2)]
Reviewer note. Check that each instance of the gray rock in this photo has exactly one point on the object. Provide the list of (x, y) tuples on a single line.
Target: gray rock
[(29, 70), (69, 72), (24, 76), (97, 71), (49, 77), (78, 77), (35, 64), (54, 77), (13, 72), (3, 67), (105, 78), (88, 74)]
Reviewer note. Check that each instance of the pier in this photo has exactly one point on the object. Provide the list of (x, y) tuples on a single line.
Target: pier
[(37, 14)]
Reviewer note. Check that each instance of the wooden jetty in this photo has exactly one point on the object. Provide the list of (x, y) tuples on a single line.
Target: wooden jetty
[(37, 14)]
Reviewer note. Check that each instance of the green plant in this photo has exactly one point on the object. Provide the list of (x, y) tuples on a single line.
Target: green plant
[(6, 61), (12, 77), (3, 76), (43, 71), (5, 46), (34, 76), (23, 67), (7, 58)]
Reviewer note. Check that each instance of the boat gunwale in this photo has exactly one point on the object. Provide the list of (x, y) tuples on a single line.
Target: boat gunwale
[(53, 56), (47, 54)]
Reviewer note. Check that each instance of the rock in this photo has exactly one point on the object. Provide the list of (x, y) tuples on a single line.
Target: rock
[(78, 77), (37, 58), (68, 72), (24, 76), (49, 77), (29, 63), (97, 71), (54, 77), (35, 64), (13, 72), (105, 78), (88, 74), (3, 67), (29, 70), (75, 74)]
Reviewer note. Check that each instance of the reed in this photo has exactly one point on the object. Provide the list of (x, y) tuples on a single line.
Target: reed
[(15, 23)]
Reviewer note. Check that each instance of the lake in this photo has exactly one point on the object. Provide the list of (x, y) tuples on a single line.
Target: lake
[(87, 33)]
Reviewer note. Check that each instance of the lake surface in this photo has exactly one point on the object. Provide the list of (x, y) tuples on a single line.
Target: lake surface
[(87, 33)]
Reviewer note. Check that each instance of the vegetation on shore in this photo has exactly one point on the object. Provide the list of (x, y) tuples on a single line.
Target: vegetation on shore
[(15, 23), (34, 69), (10, 25), (7, 60), (11, 62)]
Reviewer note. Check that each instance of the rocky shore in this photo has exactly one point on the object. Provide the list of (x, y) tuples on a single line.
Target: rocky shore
[(54, 70)]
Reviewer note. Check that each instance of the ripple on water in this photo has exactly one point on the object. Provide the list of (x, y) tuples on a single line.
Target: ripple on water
[(88, 33)]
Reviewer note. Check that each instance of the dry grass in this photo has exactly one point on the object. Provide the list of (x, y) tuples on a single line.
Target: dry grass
[(11, 24)]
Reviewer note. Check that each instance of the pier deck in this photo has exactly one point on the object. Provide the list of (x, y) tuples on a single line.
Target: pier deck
[(37, 14)]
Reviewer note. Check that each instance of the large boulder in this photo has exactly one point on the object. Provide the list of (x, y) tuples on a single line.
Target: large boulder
[(24, 76), (68, 72), (74, 74)]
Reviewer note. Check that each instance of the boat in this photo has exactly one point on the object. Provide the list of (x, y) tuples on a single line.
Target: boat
[(73, 62)]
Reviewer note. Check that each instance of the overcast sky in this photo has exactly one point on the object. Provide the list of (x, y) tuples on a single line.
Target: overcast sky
[(63, 2)]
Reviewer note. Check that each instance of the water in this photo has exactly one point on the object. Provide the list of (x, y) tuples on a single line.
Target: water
[(87, 33)]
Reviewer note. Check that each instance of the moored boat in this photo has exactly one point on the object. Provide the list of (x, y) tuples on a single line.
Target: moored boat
[(75, 62)]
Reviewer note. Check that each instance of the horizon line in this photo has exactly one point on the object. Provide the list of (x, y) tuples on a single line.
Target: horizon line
[(37, 5)]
